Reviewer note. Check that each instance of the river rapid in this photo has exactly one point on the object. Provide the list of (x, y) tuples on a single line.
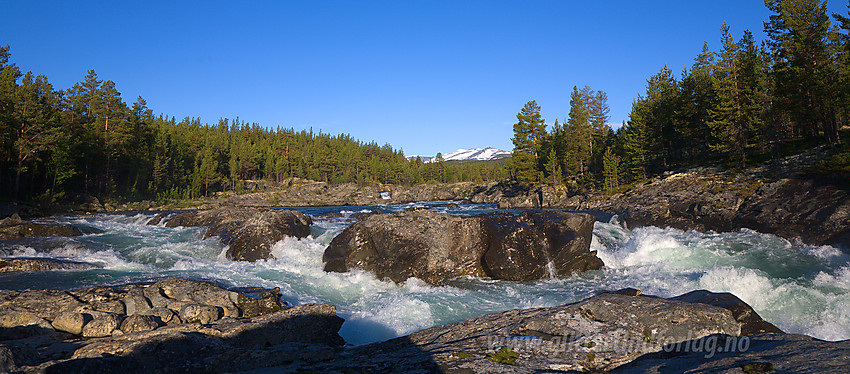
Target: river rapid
[(799, 288)]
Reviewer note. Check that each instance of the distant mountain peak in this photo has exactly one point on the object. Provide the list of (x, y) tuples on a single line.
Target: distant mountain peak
[(478, 154)]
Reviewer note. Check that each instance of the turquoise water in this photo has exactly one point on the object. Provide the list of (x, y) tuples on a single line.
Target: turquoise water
[(800, 288)]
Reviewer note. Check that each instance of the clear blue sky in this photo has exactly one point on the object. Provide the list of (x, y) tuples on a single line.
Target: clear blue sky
[(424, 76)]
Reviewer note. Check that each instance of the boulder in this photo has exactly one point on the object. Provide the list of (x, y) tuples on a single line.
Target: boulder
[(101, 325), (135, 302), (15, 228), (20, 264), (71, 322), (436, 247), (250, 232), (751, 322), (139, 322), (197, 313), (619, 332), (167, 316)]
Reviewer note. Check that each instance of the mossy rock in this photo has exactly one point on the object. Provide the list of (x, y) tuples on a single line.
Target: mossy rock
[(504, 356), (757, 368)]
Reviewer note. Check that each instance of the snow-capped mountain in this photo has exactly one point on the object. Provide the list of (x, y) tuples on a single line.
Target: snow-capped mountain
[(476, 154), (479, 154)]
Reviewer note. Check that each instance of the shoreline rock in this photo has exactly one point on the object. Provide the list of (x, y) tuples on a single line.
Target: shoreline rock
[(612, 331), (816, 212), (436, 247), (28, 264), (171, 326)]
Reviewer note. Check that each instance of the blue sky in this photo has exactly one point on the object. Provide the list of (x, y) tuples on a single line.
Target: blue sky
[(423, 76)]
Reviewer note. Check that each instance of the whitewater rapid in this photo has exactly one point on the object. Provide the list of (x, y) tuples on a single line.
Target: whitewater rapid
[(801, 289)]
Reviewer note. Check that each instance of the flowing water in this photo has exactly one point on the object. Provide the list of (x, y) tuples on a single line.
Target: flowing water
[(801, 289)]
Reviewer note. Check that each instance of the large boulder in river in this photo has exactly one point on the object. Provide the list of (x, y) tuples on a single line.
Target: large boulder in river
[(250, 232), (15, 228), (436, 247)]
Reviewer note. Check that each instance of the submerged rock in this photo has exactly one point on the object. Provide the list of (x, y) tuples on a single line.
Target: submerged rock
[(436, 247), (250, 232)]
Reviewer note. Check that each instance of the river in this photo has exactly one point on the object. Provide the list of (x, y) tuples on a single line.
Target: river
[(800, 288)]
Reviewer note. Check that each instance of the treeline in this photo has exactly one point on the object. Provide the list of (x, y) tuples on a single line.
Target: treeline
[(87, 140), (747, 102)]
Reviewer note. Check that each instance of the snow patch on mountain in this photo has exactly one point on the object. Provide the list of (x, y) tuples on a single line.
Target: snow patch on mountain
[(479, 154), (476, 154)]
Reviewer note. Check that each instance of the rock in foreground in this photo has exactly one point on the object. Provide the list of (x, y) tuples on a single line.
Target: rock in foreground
[(172, 326), (598, 334), (436, 247), (250, 232)]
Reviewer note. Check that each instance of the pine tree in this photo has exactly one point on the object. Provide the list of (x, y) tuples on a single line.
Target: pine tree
[(611, 170), (799, 32), (553, 168), (529, 133), (698, 97), (35, 118), (727, 124)]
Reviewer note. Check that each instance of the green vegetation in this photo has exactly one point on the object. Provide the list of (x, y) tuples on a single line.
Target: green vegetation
[(836, 163), (504, 356), (758, 368), (87, 140), (461, 355), (749, 102)]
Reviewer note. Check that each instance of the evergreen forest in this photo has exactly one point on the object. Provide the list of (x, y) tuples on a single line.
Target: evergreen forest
[(746, 103), (88, 140)]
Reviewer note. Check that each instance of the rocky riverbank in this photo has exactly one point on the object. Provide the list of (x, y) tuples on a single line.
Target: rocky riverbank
[(777, 198), (171, 326), (185, 326)]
